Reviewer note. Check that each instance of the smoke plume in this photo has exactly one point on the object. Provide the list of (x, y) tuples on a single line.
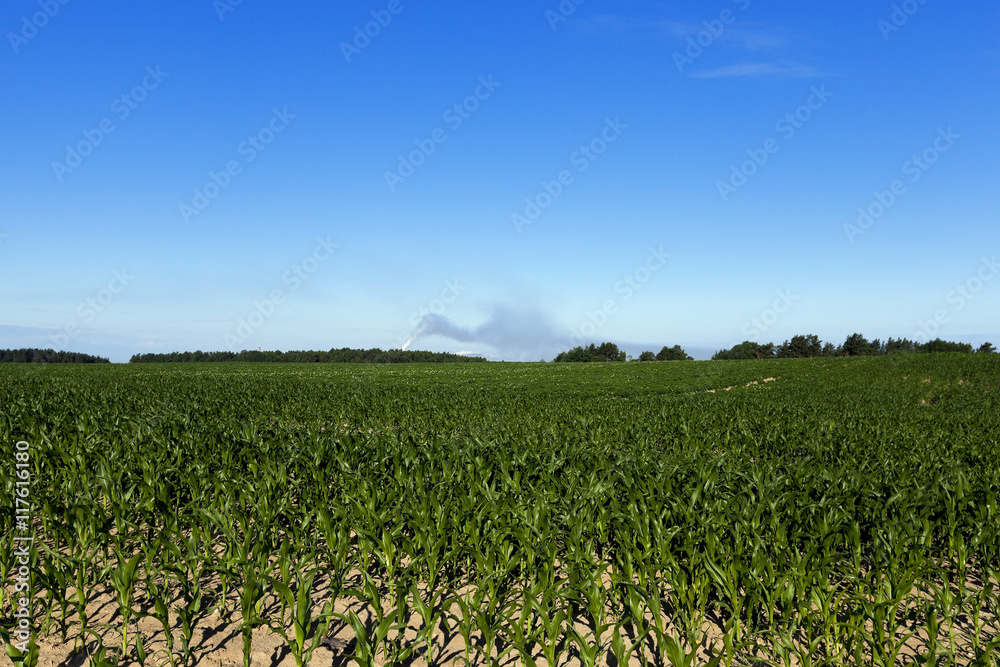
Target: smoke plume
[(514, 334)]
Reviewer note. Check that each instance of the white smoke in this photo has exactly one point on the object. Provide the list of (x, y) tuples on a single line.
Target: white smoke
[(512, 333)]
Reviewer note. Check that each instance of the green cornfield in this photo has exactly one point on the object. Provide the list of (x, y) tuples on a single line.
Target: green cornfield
[(792, 512)]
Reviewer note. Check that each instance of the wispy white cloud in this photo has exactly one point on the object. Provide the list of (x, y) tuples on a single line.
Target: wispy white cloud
[(742, 36), (789, 70), (751, 36)]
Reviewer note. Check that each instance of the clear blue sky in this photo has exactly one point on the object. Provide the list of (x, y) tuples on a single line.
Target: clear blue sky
[(118, 114)]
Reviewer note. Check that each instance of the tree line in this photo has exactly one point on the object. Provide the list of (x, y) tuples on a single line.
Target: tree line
[(344, 355), (610, 352), (36, 356), (856, 345), (801, 346), (798, 347)]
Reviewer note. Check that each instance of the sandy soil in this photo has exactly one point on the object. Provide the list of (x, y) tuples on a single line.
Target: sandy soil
[(219, 641)]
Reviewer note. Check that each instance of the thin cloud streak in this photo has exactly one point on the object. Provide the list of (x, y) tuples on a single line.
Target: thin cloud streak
[(785, 70), (748, 36), (751, 36)]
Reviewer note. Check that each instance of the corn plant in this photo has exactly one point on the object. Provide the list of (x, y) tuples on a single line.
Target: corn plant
[(123, 580), (307, 630), (837, 515), (55, 576), (19, 658), (374, 638)]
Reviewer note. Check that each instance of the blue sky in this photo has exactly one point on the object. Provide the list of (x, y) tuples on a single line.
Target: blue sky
[(212, 175)]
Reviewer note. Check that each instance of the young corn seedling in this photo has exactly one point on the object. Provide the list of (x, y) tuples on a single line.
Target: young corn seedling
[(141, 655), (948, 604), (520, 626), (618, 648), (428, 551), (123, 580), (429, 609), (653, 604), (933, 630), (55, 576), (161, 612), (307, 630), (19, 658), (374, 640), (189, 574), (7, 559), (81, 596), (464, 619), (367, 644), (102, 657), (629, 599), (729, 580), (676, 654), (988, 655), (588, 650), (591, 596), (251, 609), (977, 601), (691, 590), (827, 601), (550, 619)]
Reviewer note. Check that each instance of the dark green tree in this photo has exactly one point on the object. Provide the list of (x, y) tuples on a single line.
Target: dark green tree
[(898, 346), (857, 345), (610, 352), (766, 351), (604, 352), (745, 350), (938, 345), (800, 347), (675, 353)]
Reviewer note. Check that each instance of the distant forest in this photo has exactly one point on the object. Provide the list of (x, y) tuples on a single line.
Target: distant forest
[(856, 345), (799, 347), (342, 356), (33, 356)]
